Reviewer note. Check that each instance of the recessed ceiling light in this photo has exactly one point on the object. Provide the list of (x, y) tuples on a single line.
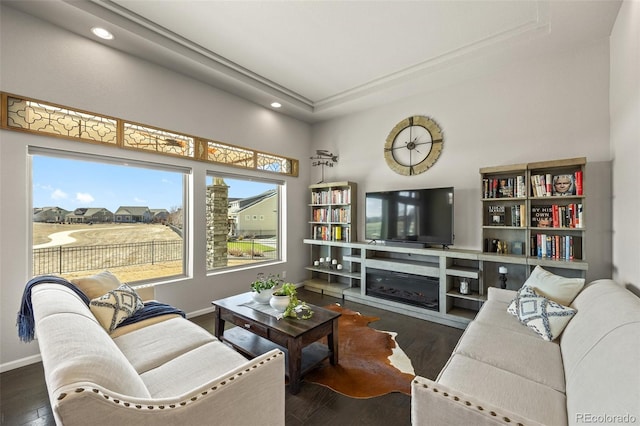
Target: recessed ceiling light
[(276, 104), (102, 33)]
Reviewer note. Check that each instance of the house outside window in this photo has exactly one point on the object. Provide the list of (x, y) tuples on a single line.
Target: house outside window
[(105, 220), (234, 236)]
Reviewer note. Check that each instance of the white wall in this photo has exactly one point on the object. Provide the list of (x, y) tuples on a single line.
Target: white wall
[(542, 108), (44, 62), (625, 142)]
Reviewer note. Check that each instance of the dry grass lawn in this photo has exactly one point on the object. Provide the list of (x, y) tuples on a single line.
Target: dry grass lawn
[(93, 235), (110, 233)]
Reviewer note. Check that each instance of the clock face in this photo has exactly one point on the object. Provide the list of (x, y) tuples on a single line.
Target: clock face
[(413, 145)]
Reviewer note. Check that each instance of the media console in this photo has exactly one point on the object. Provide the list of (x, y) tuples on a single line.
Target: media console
[(433, 275)]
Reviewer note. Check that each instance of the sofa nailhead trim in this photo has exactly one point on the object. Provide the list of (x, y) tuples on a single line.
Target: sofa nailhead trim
[(467, 403), (63, 395)]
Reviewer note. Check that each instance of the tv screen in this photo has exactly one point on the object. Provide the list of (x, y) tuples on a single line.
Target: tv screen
[(410, 215)]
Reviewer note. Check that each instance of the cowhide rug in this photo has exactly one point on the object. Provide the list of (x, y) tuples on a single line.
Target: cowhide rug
[(370, 362)]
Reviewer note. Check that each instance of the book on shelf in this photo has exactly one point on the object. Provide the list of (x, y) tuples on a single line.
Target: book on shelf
[(578, 182), (541, 216), (321, 232), (320, 215), (496, 215), (541, 185), (340, 215), (503, 187), (558, 247), (564, 184), (518, 215), (337, 233), (557, 216)]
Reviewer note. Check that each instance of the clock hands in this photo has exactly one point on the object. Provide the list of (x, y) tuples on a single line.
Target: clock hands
[(408, 145)]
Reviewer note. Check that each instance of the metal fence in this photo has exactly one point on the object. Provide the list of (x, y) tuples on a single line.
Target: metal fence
[(254, 249), (60, 259)]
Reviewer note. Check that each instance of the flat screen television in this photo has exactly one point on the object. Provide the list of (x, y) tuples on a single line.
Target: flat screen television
[(420, 216)]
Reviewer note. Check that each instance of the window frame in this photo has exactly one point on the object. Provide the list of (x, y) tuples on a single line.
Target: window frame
[(186, 172), (280, 185)]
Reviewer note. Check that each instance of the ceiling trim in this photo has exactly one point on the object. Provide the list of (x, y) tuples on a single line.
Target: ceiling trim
[(538, 26), (131, 21)]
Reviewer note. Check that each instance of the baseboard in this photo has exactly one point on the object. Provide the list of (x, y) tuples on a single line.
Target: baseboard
[(12, 365), (201, 312)]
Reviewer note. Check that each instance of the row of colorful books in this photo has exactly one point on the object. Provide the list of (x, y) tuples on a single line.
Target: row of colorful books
[(336, 196), (557, 216), (542, 185), (336, 215), (500, 215), (559, 247), (547, 216), (547, 185), (333, 233), (504, 187)]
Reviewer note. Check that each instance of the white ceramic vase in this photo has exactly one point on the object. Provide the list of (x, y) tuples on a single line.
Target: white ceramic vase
[(279, 303), (263, 297)]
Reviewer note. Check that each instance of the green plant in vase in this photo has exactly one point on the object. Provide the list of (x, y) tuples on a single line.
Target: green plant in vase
[(295, 305), (263, 287)]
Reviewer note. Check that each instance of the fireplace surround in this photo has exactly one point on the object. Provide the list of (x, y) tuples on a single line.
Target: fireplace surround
[(411, 289)]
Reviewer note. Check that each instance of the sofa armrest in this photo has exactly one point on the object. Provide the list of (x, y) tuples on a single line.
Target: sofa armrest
[(253, 393), (501, 294), (436, 404)]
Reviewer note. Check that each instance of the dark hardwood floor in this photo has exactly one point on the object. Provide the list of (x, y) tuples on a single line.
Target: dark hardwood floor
[(24, 399)]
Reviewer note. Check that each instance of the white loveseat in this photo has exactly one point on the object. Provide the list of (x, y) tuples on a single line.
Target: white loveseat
[(168, 373), (501, 372)]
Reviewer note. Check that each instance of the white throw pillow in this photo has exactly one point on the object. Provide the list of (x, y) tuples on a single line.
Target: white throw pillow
[(525, 291), (559, 289), (544, 316), (115, 306)]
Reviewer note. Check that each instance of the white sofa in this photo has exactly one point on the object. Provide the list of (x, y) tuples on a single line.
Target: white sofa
[(168, 373), (501, 372)]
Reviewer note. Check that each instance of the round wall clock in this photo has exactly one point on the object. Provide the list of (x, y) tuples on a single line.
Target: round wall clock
[(413, 145)]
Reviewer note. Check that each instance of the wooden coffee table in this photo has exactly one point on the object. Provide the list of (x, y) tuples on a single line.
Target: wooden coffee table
[(258, 332)]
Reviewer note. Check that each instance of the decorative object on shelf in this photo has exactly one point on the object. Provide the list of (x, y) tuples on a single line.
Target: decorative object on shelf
[(323, 158), (285, 300), (502, 270), (413, 145), (464, 286), (262, 287)]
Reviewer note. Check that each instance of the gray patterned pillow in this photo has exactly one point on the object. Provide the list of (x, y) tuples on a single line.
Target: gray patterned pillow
[(115, 306), (544, 316)]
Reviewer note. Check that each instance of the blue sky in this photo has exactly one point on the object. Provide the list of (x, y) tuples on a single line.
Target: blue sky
[(71, 184)]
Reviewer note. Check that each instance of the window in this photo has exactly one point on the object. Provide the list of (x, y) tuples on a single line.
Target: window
[(234, 236), (92, 214)]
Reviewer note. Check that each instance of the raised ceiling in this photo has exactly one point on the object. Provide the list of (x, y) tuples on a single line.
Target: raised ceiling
[(322, 59)]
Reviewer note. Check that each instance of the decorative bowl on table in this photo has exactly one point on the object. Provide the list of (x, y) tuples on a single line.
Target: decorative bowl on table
[(263, 297)]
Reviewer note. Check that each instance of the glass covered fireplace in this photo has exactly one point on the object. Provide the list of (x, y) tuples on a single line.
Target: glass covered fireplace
[(411, 289)]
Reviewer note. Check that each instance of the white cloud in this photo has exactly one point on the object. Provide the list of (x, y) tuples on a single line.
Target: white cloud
[(139, 200), (84, 197), (45, 187), (58, 194)]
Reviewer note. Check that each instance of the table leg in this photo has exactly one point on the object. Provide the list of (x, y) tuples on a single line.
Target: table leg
[(332, 342), (294, 349), (218, 329)]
